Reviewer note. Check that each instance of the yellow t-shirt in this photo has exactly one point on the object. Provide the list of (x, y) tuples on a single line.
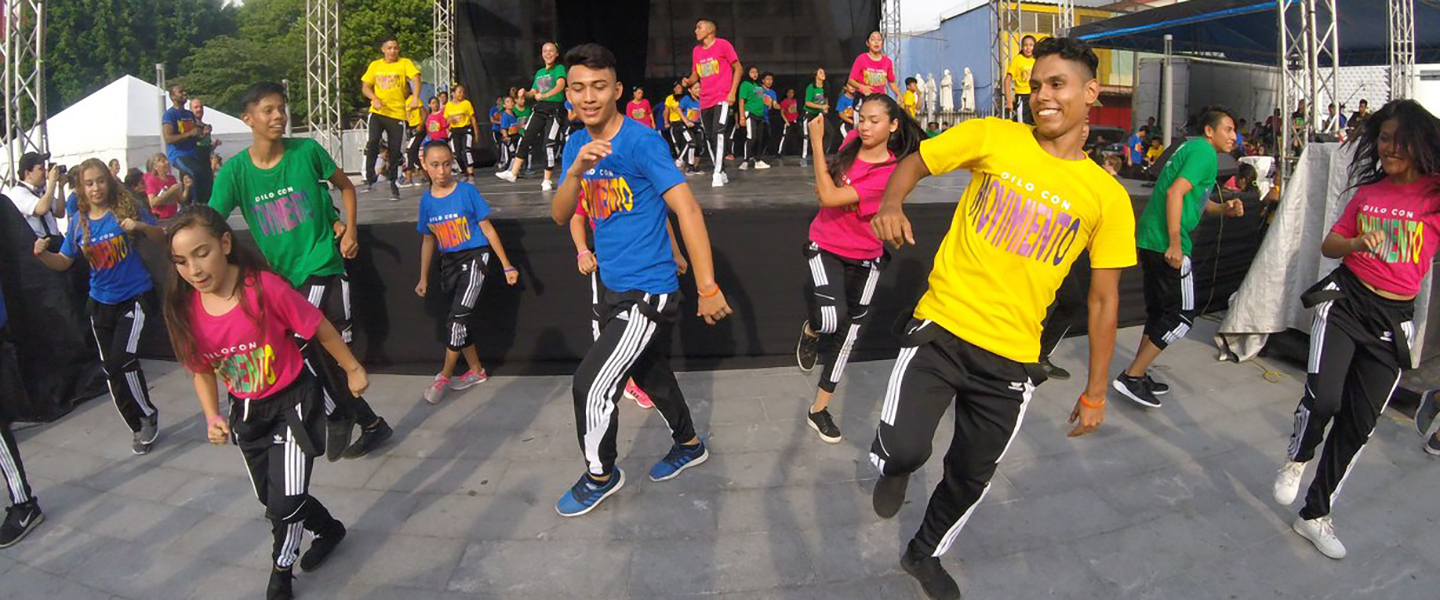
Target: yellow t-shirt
[(672, 109), (459, 114), (1020, 68), (1024, 219), (908, 101), (391, 82), (412, 116)]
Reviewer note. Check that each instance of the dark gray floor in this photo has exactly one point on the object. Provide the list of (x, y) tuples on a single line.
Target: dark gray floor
[(1167, 504)]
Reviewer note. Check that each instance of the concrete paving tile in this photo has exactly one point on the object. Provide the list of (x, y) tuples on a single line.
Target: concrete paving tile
[(525, 569)]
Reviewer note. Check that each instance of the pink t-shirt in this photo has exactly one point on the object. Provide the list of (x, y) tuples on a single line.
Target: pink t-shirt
[(789, 108), (847, 232), (436, 127), (640, 111), (874, 73), (1409, 215), (716, 74), (154, 185), (256, 363)]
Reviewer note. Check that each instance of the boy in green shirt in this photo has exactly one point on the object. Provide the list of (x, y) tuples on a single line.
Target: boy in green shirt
[(276, 184), (753, 105), (1163, 236), (815, 108)]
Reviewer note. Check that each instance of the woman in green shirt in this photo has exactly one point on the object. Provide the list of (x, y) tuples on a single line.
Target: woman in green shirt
[(549, 118), (815, 108)]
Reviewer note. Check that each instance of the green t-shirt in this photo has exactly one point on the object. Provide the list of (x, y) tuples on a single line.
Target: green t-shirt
[(1195, 161), (547, 79), (815, 94), (754, 97), (522, 116), (288, 209)]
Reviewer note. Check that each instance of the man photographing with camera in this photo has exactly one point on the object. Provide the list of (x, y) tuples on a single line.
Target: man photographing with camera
[(38, 194)]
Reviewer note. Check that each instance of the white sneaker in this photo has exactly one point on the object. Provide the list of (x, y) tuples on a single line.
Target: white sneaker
[(679, 164), (1321, 532), (546, 186), (436, 390), (760, 164), (717, 180), (744, 166), (506, 175), (1287, 483)]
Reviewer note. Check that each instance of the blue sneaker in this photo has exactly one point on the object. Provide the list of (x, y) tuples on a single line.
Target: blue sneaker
[(681, 457), (585, 495)]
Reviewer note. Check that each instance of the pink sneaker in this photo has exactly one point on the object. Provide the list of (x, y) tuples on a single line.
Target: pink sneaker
[(469, 380), (634, 392), (436, 391)]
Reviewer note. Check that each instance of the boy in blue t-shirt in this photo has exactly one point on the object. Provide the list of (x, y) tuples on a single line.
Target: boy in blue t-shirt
[(181, 130), (106, 229), (454, 218), (623, 172), (24, 512), (509, 132), (845, 109)]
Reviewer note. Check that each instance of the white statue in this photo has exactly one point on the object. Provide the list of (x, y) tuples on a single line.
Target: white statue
[(947, 93), (967, 92), (931, 92)]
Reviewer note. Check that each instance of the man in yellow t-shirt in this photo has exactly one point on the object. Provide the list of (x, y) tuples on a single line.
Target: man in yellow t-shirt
[(385, 83), (1034, 204), (1017, 81), (461, 116)]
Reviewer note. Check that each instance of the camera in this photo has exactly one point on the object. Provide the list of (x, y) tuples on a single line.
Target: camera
[(62, 170)]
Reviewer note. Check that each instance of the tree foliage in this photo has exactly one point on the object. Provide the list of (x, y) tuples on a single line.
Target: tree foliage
[(216, 48), (90, 43)]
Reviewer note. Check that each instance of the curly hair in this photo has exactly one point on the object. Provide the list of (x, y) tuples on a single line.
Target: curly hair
[(117, 198)]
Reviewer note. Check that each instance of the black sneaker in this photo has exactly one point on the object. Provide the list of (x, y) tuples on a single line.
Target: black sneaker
[(324, 543), (20, 519), (807, 349), (281, 585), (1425, 414), (1432, 447), (370, 437), (1052, 371), (394, 192), (889, 495), (937, 584), (141, 442), (1157, 388), (824, 425), (337, 436), (1135, 388)]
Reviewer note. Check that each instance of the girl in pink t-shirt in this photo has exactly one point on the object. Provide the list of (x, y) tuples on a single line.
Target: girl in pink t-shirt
[(437, 127), (1360, 342), (845, 255), (873, 71), (161, 189), (233, 320), (639, 108)]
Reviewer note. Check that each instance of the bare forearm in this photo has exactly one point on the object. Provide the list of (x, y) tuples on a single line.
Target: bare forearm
[(577, 234), (697, 243), (495, 244), (1174, 203), (207, 394), (1102, 323), (1339, 246), (903, 180), (56, 262), (427, 254), (562, 207)]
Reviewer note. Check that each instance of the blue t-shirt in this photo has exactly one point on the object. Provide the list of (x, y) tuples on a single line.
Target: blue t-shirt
[(690, 107), (72, 205), (845, 103), (1136, 146), (455, 219), (493, 125), (116, 271), (184, 121), (622, 195), (507, 120), (774, 101)]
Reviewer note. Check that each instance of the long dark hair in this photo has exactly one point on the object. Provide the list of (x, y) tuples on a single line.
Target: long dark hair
[(904, 140), (179, 296), (1417, 132)]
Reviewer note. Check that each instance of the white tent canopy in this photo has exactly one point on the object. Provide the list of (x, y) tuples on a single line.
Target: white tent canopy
[(122, 121)]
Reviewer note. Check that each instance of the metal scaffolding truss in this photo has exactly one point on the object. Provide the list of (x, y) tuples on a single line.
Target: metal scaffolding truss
[(1005, 21), (1064, 17), (890, 29), (24, 75), (1402, 48), (1309, 66), (322, 74), (444, 39)]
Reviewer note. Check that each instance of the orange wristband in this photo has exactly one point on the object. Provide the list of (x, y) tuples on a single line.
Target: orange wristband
[(711, 294), (1089, 405)]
